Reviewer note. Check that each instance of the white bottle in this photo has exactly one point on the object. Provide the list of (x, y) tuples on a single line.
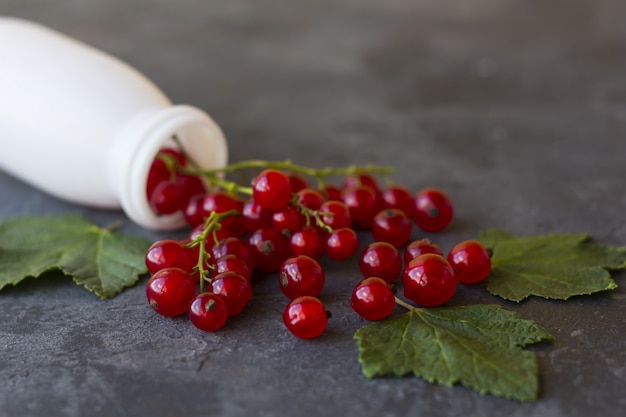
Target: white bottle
[(85, 127)]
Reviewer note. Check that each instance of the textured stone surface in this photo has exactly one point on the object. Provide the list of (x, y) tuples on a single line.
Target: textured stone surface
[(516, 108)]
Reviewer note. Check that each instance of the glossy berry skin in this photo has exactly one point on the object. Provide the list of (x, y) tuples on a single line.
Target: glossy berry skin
[(342, 244), (331, 192), (208, 312), (270, 248), (234, 289), (170, 291), (310, 198), (392, 226), (420, 247), (169, 253), (297, 181), (433, 210), (471, 261), (299, 276), (338, 214), (373, 299), (231, 263), (271, 189), (254, 216), (381, 259), (362, 202), (222, 202), (305, 317), (167, 198), (308, 241), (429, 280), (287, 219), (233, 246), (398, 197)]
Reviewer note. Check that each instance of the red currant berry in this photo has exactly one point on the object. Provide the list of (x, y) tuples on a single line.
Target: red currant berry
[(233, 246), (362, 178), (208, 312), (235, 290), (191, 185), (222, 202), (231, 263), (170, 291), (255, 217), (399, 197), (335, 214), (362, 202), (471, 261), (287, 219), (433, 210), (392, 226), (308, 241), (429, 280), (373, 299), (169, 253), (193, 212), (270, 248), (167, 198), (297, 181), (212, 238), (301, 275), (177, 155), (420, 247), (271, 189), (310, 198), (305, 317), (157, 174), (331, 192), (381, 259), (342, 243)]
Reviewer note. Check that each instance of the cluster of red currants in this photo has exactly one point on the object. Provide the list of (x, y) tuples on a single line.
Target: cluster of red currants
[(282, 224)]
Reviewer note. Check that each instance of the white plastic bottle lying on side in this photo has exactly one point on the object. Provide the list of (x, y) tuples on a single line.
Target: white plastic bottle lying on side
[(85, 127)]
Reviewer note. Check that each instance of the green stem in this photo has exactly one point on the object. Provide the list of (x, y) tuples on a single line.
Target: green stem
[(404, 304)]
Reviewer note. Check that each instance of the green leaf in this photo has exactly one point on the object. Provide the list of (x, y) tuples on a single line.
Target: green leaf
[(479, 347), (551, 266), (103, 261)]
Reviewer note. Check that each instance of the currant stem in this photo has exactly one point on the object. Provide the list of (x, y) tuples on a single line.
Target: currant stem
[(404, 304)]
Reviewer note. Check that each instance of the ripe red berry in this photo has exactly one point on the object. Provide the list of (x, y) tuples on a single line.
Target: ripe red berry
[(233, 246), (234, 289), (433, 210), (167, 198), (232, 263), (420, 247), (305, 317), (208, 312), (270, 248), (331, 192), (222, 202), (287, 219), (373, 299), (342, 243), (299, 276), (399, 197), (471, 261), (271, 189), (362, 202), (310, 198), (254, 216), (297, 181), (381, 259), (335, 214), (170, 291), (308, 241), (392, 226), (169, 253), (429, 280)]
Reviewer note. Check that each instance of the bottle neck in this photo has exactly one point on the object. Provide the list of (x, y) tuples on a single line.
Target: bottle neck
[(138, 143)]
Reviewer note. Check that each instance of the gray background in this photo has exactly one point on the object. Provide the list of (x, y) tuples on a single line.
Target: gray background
[(516, 108)]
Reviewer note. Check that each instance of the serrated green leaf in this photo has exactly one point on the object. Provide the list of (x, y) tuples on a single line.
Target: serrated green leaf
[(479, 347), (555, 266), (103, 261)]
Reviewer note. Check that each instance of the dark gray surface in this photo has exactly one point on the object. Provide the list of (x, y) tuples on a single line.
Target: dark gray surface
[(516, 108)]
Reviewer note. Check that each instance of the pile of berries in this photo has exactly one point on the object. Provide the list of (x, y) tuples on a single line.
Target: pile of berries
[(281, 224)]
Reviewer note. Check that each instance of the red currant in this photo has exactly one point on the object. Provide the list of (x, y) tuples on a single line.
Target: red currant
[(167, 198), (299, 276), (342, 243), (233, 246), (362, 178), (373, 299), (471, 261), (381, 259), (399, 197), (297, 181), (308, 241), (287, 219), (429, 280), (271, 189), (392, 226), (420, 247), (335, 214), (208, 312), (305, 317), (362, 202), (255, 217), (221, 202), (310, 198), (235, 289), (331, 192), (270, 248), (168, 253), (231, 263), (170, 291), (193, 212), (433, 210)]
